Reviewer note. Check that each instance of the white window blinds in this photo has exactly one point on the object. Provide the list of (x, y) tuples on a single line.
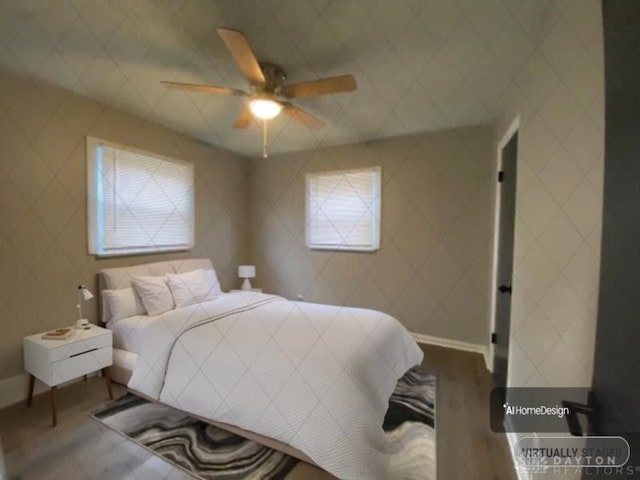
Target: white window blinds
[(343, 210), (138, 202)]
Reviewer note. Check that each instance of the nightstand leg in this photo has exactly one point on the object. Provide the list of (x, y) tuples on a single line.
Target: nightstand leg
[(32, 381), (107, 379), (54, 406)]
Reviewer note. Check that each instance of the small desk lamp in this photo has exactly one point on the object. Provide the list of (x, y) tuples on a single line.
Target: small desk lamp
[(83, 294)]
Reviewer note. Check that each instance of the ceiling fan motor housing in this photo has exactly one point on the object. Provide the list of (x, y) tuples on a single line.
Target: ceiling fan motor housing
[(274, 76)]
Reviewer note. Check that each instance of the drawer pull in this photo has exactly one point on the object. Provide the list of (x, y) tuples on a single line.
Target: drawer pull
[(82, 353)]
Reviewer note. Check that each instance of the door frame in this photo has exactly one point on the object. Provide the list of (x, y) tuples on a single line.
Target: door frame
[(511, 130)]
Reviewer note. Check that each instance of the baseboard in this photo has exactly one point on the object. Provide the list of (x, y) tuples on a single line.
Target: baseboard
[(455, 344), (15, 389), (487, 359)]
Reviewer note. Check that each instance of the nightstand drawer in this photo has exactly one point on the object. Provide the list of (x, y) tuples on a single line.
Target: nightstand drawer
[(80, 346), (80, 364)]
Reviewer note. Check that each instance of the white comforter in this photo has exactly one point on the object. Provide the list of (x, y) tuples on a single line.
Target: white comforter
[(316, 377)]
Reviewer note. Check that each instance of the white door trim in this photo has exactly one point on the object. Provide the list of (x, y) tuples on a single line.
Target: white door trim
[(511, 130)]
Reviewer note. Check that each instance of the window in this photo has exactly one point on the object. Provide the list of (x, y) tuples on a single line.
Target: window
[(343, 210), (137, 202)]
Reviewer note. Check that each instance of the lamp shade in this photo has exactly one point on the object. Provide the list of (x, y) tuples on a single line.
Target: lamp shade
[(86, 294), (246, 271)]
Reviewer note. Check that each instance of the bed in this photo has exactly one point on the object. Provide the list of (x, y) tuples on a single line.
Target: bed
[(307, 379)]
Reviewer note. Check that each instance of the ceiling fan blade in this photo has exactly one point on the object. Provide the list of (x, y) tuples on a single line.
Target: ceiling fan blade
[(245, 119), (303, 117), (313, 88), (203, 88), (241, 51)]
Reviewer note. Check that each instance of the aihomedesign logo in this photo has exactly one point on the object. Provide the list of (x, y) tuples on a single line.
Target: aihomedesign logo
[(539, 411)]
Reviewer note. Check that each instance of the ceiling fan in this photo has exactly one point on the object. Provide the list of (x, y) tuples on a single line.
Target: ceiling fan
[(268, 96)]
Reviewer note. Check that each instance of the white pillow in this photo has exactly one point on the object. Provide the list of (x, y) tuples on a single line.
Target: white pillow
[(154, 293), (122, 303), (194, 287)]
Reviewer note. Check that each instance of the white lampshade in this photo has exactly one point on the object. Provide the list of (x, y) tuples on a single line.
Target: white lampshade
[(246, 271), (86, 294), (265, 108)]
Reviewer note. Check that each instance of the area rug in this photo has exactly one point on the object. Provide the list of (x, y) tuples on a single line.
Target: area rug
[(208, 452)]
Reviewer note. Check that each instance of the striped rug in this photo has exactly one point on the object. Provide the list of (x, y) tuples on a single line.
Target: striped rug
[(208, 452)]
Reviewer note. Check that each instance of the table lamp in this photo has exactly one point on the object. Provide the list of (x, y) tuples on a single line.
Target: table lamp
[(246, 272), (83, 294)]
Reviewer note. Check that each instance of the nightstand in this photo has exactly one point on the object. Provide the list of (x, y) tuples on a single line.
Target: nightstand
[(236, 290), (57, 361)]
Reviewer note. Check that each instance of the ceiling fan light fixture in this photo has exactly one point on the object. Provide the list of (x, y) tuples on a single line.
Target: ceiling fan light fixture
[(265, 108)]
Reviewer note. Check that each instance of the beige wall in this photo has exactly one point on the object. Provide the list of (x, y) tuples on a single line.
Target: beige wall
[(559, 95), (432, 270), (43, 238)]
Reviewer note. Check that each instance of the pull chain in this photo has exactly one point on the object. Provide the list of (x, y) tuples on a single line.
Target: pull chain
[(264, 139)]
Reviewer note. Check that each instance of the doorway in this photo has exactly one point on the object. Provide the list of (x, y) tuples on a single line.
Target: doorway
[(503, 266)]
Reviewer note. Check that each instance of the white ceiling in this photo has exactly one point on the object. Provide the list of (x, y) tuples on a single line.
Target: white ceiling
[(420, 65)]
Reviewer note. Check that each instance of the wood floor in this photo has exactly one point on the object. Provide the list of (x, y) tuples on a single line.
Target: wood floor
[(466, 446), (80, 447)]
